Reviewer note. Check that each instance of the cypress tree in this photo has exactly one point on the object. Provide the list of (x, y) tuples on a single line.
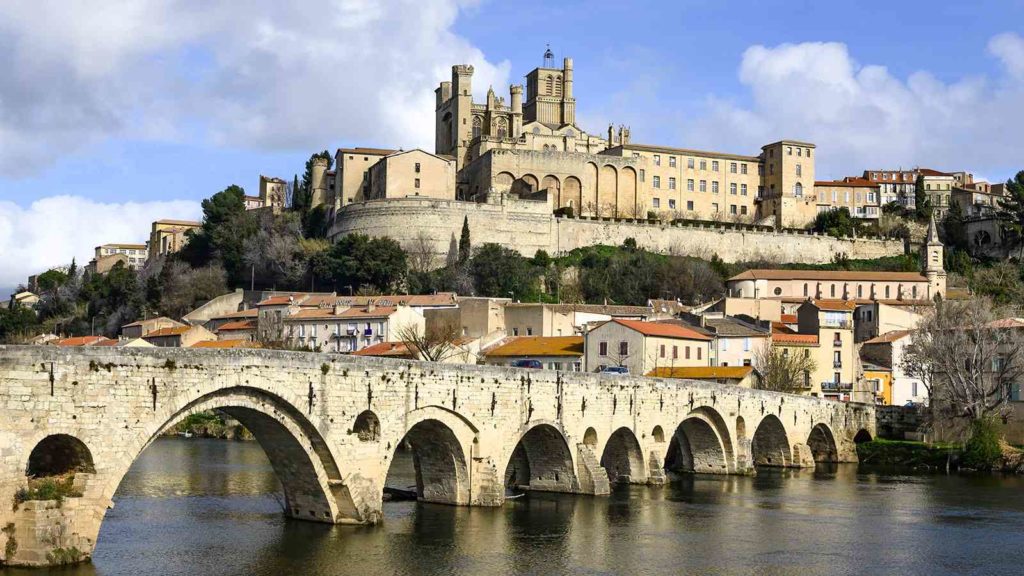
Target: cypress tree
[(464, 246)]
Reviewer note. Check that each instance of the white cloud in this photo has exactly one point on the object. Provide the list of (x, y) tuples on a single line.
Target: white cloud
[(862, 116), (274, 75), (51, 231)]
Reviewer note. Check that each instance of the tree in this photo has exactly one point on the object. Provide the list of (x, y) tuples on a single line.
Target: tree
[(16, 323), (50, 279), (435, 344), (922, 203), (1000, 282), (954, 228), (500, 272), (967, 359), (367, 264), (464, 246), (1011, 210), (782, 370), (837, 223), (182, 288)]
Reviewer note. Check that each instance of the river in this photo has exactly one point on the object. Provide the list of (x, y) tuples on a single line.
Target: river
[(212, 507)]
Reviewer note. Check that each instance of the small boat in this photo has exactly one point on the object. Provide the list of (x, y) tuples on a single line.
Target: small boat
[(514, 496), (395, 494)]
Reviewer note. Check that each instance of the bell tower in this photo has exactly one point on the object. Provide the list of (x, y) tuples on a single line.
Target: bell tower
[(932, 261), (549, 98)]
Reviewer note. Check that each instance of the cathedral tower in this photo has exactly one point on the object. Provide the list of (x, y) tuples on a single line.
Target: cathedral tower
[(932, 261), (549, 98)]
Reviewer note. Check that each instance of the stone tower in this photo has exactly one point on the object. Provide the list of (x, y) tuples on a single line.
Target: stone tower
[(454, 113), (787, 183), (932, 261), (549, 98), (318, 182)]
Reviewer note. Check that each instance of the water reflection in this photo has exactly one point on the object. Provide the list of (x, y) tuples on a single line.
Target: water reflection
[(210, 507)]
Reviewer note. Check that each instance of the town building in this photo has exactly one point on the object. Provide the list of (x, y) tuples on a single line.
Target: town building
[(888, 351), (643, 346), (179, 336), (858, 195), (140, 328), (552, 352), (344, 329), (878, 317), (134, 256), (170, 236), (244, 329)]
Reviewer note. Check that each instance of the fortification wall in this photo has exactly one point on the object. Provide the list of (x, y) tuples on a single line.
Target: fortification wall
[(528, 226)]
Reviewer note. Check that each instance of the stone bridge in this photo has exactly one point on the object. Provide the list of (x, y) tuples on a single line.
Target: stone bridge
[(330, 426)]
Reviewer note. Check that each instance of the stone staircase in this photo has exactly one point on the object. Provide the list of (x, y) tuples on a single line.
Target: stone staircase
[(592, 476)]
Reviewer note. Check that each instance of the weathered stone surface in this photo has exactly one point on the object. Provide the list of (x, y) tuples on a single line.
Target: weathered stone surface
[(463, 422)]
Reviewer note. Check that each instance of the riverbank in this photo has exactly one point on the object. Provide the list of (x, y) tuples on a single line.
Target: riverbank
[(210, 424), (931, 457)]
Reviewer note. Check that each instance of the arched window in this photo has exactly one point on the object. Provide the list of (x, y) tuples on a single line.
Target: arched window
[(551, 84), (558, 86), (570, 133), (798, 190), (477, 126), (502, 128), (536, 130)]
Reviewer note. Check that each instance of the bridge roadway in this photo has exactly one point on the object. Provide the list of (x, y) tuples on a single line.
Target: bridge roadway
[(330, 426)]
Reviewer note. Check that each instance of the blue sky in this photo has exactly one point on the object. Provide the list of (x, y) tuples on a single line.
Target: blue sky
[(163, 102)]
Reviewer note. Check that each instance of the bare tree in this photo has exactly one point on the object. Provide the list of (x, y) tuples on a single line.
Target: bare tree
[(436, 343), (967, 358), (783, 370), (420, 252)]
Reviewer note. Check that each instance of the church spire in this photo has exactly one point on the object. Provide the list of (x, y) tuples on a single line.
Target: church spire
[(932, 238)]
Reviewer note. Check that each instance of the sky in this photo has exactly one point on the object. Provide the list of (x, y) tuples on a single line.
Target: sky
[(114, 113)]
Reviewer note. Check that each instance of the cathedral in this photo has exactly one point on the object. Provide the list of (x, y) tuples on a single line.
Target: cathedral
[(531, 147)]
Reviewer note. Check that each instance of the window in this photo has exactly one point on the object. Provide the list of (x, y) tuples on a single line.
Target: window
[(798, 151), (703, 164), (771, 169), (672, 206), (689, 163), (672, 161), (623, 348), (689, 185), (662, 351), (714, 208), (732, 167), (656, 202), (860, 291), (746, 344), (416, 183), (714, 187), (732, 188), (643, 174), (671, 183), (799, 170), (703, 185), (657, 160), (725, 344), (675, 352), (913, 388), (714, 165), (760, 169), (760, 191), (832, 290), (798, 190), (743, 210), (529, 331), (789, 150), (698, 353), (808, 152), (687, 352), (886, 291), (602, 349), (743, 189), (657, 181), (689, 205), (743, 168), (732, 209), (477, 123), (515, 331), (805, 289), (417, 167)]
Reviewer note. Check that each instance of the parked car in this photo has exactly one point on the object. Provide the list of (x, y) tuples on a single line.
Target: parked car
[(533, 364), (618, 370)]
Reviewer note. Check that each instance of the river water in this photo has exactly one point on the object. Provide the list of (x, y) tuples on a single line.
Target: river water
[(212, 507)]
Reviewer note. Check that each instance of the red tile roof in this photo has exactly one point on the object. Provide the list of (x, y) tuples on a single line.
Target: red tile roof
[(830, 275), (238, 325), (798, 339), (283, 299), (81, 341), (788, 319), (890, 336), (835, 305), (225, 344), (662, 329), (702, 372), (386, 350), (540, 346), (176, 331)]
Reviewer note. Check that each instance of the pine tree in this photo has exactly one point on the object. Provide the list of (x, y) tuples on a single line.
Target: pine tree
[(464, 246), (922, 203), (1011, 209), (72, 270)]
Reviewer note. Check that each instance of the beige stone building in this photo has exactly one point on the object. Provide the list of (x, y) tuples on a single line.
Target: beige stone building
[(141, 328), (346, 329), (351, 166), (179, 336), (135, 254), (169, 236), (411, 173), (552, 352), (858, 195), (643, 346)]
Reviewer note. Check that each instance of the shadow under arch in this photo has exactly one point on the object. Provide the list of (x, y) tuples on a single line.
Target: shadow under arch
[(541, 461), (439, 460), (701, 444), (58, 454), (622, 458), (297, 452), (822, 443), (770, 444)]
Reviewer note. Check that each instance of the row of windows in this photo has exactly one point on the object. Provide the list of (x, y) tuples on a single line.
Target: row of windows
[(872, 197), (789, 151), (860, 291), (734, 167), (733, 208), (734, 188), (624, 350)]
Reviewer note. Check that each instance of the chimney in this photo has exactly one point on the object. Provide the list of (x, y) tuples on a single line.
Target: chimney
[(371, 305)]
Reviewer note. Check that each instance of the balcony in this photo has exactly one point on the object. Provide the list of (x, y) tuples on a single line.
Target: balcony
[(842, 324), (836, 386), (368, 332), (837, 363)]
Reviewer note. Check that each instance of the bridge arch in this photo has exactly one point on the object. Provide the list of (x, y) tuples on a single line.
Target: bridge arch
[(542, 461), (701, 444), (367, 426), (622, 458), (822, 443), (299, 455), (441, 443), (770, 445), (862, 436), (59, 454)]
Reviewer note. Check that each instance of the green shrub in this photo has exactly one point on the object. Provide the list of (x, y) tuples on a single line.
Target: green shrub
[(982, 451), (54, 488)]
